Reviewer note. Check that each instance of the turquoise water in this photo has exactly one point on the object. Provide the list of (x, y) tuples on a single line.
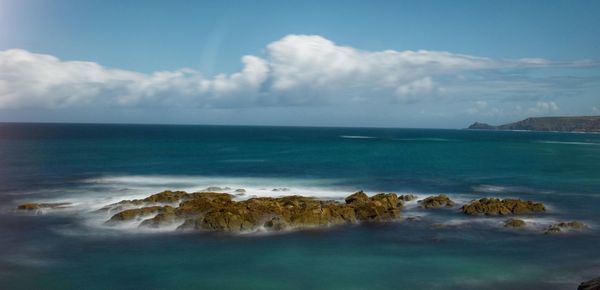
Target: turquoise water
[(92, 165)]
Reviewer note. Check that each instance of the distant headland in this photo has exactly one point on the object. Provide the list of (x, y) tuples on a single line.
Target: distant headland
[(558, 124)]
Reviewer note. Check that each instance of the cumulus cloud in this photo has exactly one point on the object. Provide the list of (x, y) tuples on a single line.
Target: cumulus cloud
[(297, 70)]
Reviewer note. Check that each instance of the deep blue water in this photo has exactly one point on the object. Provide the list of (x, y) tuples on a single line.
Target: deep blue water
[(92, 165)]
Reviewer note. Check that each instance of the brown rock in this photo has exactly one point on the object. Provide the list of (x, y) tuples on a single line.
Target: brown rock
[(166, 196), (495, 206), (130, 214), (218, 212), (436, 202), (356, 198), (406, 197)]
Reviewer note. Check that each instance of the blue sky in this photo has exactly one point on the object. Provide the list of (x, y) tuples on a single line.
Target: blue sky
[(331, 63)]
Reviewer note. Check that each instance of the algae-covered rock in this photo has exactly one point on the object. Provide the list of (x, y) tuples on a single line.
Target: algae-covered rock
[(37, 206), (167, 197), (213, 211), (495, 206), (515, 223), (407, 197), (133, 213), (357, 198), (437, 201), (565, 226)]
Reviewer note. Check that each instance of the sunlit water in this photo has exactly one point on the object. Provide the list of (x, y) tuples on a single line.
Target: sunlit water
[(94, 165)]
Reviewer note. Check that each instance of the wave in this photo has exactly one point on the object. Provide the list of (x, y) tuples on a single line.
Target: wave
[(423, 139), (356, 137), (567, 142)]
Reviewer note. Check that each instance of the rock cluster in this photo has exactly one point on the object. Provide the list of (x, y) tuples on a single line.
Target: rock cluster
[(215, 211), (495, 206)]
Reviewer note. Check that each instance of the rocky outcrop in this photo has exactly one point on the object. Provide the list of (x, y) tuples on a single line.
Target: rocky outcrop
[(436, 202), (565, 227), (560, 124), (495, 206), (38, 206), (593, 284), (213, 211)]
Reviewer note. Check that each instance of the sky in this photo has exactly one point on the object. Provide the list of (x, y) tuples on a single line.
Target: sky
[(416, 64)]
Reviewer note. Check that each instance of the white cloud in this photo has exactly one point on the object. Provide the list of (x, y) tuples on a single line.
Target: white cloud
[(297, 70), (542, 107)]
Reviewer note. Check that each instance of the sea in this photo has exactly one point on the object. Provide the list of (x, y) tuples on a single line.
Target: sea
[(92, 165)]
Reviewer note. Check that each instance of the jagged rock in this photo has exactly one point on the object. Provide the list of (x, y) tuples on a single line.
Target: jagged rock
[(436, 202), (566, 226), (515, 223), (166, 216), (214, 211), (37, 206), (133, 213), (406, 197), (593, 284), (495, 206), (167, 197), (357, 198)]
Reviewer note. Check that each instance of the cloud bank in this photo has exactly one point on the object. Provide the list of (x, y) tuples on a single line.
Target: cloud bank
[(297, 70)]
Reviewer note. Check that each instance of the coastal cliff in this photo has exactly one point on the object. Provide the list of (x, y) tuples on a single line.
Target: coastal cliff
[(560, 124)]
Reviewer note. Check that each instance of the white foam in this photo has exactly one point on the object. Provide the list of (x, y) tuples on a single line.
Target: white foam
[(568, 143), (357, 137)]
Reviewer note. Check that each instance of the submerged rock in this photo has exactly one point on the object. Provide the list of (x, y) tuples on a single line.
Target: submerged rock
[(436, 202), (37, 206), (593, 284), (214, 211), (566, 226), (515, 223), (495, 206)]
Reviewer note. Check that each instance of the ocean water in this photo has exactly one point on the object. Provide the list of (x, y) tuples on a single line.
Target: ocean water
[(94, 165)]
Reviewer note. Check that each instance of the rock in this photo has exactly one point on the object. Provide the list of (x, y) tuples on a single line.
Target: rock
[(593, 284), (407, 197), (436, 202), (566, 226), (514, 223), (37, 206), (166, 216), (167, 197), (357, 198), (130, 214), (495, 206), (281, 189), (214, 211), (240, 190)]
